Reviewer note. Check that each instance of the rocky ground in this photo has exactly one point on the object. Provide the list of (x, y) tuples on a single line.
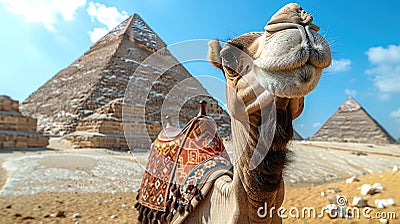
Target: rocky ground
[(310, 196), (98, 186)]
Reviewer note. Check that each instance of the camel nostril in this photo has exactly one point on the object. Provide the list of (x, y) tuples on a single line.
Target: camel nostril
[(247, 68), (240, 69)]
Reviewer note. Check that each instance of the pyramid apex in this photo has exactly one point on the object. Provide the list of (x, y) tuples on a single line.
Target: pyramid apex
[(136, 28), (116, 31), (350, 104)]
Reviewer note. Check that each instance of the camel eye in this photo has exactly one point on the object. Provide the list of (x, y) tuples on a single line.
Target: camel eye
[(228, 57), (230, 60), (229, 63)]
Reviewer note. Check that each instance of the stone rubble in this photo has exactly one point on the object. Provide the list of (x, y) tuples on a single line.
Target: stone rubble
[(383, 203), (383, 220), (76, 216), (359, 202), (351, 180), (367, 189)]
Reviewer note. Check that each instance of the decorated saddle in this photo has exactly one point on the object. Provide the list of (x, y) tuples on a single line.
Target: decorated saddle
[(183, 164)]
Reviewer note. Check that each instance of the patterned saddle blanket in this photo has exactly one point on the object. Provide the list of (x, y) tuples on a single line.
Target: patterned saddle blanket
[(181, 168)]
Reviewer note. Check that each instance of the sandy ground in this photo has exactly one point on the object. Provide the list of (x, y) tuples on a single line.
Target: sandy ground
[(51, 186), (319, 162), (310, 196)]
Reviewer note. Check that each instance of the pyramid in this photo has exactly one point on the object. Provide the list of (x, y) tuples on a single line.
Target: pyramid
[(16, 130), (351, 123), (102, 74), (297, 136)]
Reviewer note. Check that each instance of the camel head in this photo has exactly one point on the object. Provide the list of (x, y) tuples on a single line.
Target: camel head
[(283, 63)]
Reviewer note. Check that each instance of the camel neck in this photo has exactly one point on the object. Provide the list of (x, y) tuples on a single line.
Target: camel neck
[(259, 185)]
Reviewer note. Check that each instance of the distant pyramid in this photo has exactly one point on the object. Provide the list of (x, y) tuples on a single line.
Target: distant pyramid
[(351, 123), (297, 136), (102, 75)]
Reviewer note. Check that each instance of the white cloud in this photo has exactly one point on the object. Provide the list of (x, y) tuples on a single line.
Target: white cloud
[(340, 65), (383, 96), (395, 114), (381, 55), (97, 33), (386, 68), (298, 125), (108, 16), (350, 92), (353, 80), (316, 124), (44, 11)]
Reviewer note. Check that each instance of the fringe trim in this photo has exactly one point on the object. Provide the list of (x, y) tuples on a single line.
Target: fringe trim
[(178, 203)]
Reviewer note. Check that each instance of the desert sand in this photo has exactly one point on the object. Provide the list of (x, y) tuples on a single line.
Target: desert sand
[(99, 185), (310, 196)]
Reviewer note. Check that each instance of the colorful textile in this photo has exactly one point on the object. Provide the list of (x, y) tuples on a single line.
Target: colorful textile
[(178, 167)]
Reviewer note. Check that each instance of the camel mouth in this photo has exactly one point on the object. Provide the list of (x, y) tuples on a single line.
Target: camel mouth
[(295, 83), (291, 49)]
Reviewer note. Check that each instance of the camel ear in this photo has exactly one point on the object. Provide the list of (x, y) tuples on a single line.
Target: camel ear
[(296, 106), (214, 56)]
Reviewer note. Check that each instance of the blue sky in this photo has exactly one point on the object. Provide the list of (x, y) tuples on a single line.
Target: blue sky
[(41, 37)]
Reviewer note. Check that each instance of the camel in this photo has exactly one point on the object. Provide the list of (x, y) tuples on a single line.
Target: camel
[(275, 69)]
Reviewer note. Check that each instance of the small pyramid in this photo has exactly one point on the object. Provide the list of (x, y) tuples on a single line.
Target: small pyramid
[(102, 74), (297, 136), (351, 123)]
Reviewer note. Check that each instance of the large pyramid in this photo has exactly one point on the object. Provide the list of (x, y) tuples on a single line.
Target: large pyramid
[(102, 74), (351, 123)]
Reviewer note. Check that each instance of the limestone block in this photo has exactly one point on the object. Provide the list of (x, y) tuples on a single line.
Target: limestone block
[(20, 144), (9, 144)]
